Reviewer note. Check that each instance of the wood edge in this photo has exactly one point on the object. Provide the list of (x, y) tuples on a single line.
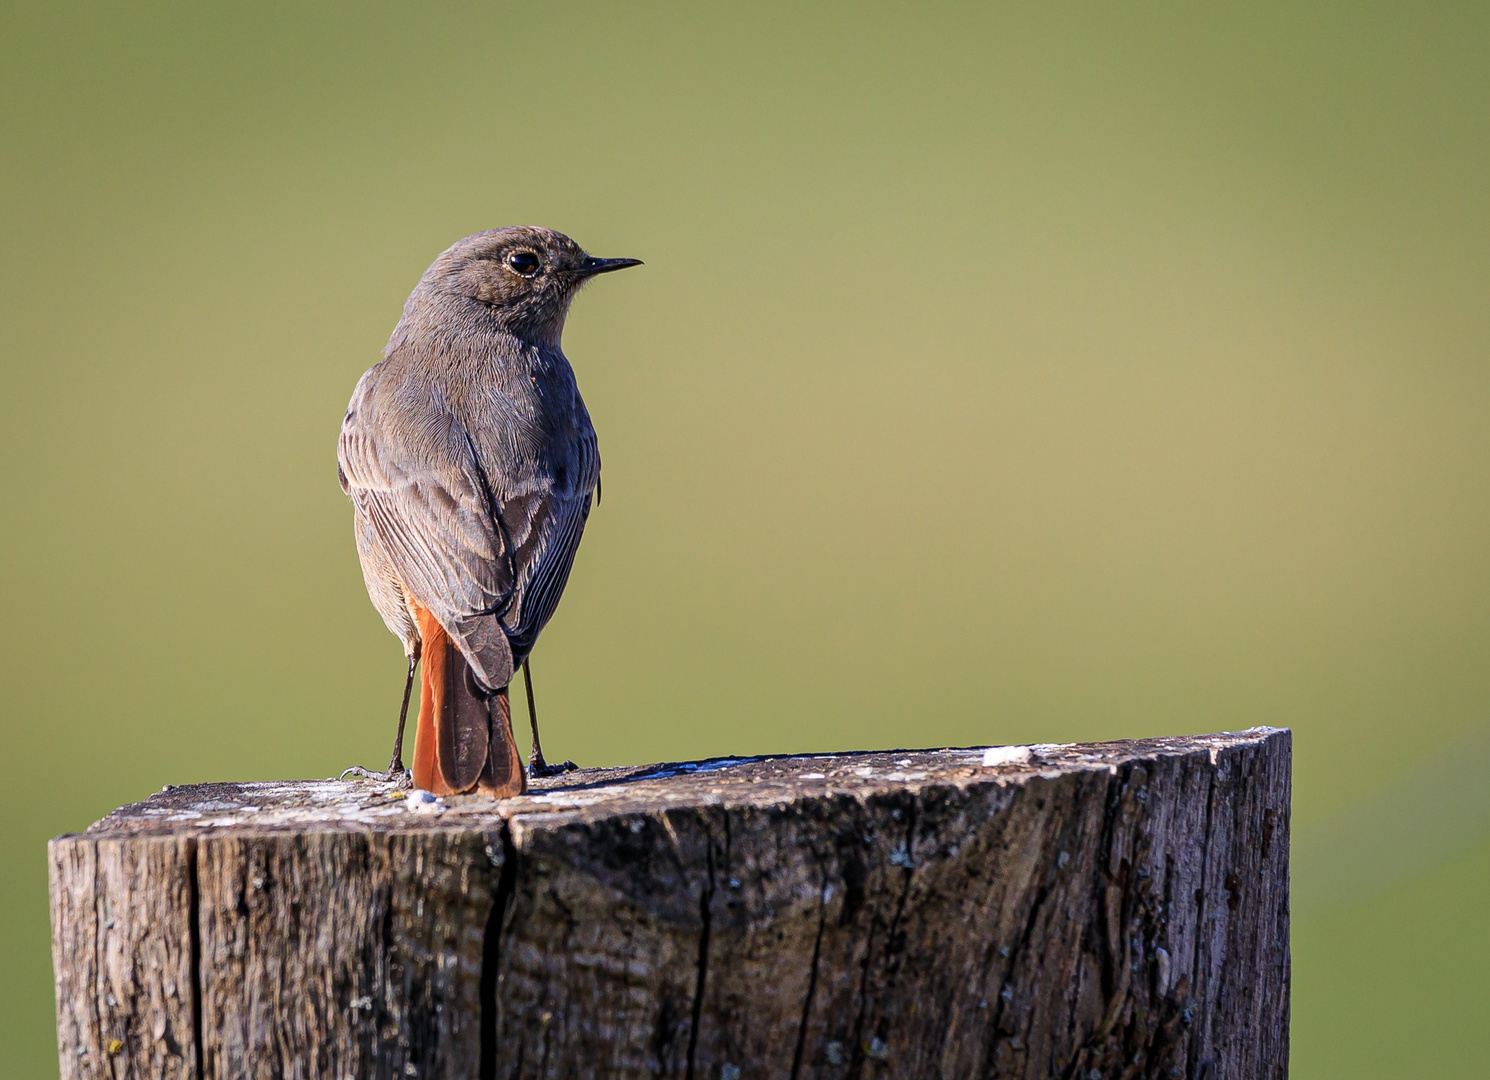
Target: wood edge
[(1044, 759)]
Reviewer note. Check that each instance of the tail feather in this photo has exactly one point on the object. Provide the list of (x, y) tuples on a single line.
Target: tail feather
[(464, 739)]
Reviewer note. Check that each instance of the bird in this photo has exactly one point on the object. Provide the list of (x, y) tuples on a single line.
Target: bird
[(471, 463)]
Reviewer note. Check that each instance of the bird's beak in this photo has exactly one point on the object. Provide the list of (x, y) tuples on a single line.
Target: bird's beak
[(592, 266)]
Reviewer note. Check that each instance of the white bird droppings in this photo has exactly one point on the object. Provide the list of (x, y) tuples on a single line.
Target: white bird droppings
[(1005, 755), (424, 802)]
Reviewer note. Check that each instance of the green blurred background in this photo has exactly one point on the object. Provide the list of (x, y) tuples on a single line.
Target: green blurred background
[(1029, 374)]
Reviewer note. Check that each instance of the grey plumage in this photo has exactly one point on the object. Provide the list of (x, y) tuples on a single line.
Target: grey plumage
[(468, 453)]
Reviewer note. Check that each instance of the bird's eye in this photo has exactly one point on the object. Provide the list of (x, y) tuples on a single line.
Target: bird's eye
[(523, 262)]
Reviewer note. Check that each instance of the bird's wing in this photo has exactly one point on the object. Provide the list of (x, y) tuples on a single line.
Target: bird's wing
[(415, 476), (545, 524), (543, 566)]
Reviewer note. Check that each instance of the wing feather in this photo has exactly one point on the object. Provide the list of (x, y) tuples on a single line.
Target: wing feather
[(549, 572), (419, 493), (487, 555)]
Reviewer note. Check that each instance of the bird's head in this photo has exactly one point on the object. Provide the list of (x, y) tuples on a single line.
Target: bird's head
[(522, 278)]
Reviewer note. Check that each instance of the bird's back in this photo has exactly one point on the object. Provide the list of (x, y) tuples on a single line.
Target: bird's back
[(487, 458)]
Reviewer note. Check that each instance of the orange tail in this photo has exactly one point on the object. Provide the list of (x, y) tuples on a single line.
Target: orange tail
[(464, 741)]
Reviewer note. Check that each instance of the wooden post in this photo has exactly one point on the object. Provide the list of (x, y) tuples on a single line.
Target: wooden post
[(1105, 910)]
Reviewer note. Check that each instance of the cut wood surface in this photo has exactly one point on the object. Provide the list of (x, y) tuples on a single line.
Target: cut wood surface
[(1077, 911)]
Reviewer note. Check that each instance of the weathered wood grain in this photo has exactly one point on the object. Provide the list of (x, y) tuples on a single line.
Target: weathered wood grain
[(123, 949), (1105, 910)]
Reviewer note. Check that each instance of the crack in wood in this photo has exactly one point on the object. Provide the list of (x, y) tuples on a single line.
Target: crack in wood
[(705, 905), (195, 930), (491, 950), (817, 952)]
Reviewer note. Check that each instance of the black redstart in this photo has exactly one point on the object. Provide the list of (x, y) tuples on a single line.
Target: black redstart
[(470, 462)]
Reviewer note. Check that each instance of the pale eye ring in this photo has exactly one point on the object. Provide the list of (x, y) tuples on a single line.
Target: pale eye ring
[(523, 262)]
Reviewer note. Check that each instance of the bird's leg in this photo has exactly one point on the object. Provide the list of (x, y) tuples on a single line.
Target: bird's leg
[(536, 762), (536, 765), (396, 772), (396, 765)]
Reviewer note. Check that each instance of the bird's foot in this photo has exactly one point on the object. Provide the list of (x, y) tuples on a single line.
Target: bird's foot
[(539, 769), (400, 778)]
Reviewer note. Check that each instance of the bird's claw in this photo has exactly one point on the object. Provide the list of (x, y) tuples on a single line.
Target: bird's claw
[(399, 778), (538, 770)]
